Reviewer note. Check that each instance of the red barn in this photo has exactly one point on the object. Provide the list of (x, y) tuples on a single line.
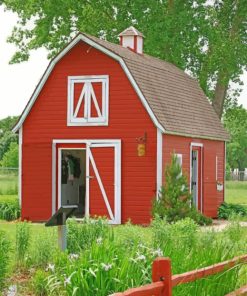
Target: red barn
[(101, 126)]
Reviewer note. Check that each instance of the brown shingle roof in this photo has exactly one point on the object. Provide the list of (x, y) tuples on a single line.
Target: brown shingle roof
[(176, 99)]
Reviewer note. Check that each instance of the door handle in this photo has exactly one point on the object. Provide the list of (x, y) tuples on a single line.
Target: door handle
[(90, 177)]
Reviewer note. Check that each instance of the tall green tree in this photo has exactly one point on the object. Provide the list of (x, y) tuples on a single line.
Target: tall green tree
[(10, 158), (235, 121), (6, 135), (206, 38)]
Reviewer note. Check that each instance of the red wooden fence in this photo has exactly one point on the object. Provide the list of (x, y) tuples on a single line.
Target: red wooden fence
[(163, 280)]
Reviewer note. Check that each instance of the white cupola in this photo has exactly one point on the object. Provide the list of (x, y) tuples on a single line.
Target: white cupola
[(133, 39)]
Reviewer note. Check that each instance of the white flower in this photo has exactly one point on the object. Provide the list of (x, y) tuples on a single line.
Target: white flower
[(141, 246), (141, 258), (67, 281), (99, 240), (106, 267), (73, 256), (51, 267), (158, 253)]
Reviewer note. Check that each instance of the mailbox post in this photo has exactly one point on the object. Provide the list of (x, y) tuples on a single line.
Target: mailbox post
[(59, 219)]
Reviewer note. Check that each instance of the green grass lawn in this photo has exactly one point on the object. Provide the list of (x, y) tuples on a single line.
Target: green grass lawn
[(8, 184), (236, 192)]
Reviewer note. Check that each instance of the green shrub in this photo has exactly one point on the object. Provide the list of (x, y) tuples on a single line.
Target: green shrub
[(4, 258), (81, 235), (226, 210), (9, 209), (39, 283), (199, 218), (22, 242), (174, 200)]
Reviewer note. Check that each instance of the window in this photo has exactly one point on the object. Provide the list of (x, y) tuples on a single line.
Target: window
[(180, 160), (88, 98)]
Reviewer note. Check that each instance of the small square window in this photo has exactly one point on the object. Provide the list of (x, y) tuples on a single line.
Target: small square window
[(88, 98)]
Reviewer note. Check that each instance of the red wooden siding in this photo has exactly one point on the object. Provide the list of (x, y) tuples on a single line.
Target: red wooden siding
[(48, 120), (211, 197), (104, 160)]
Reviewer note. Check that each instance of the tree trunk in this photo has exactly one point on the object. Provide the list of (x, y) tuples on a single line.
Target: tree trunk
[(220, 94)]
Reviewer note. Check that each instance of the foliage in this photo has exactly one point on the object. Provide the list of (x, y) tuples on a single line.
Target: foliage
[(174, 200), (43, 249), (5, 141), (198, 217), (207, 38), (6, 135), (81, 235), (22, 242), (228, 172), (112, 263), (39, 283), (4, 258), (235, 121), (9, 209), (10, 158), (108, 265), (7, 124), (226, 210)]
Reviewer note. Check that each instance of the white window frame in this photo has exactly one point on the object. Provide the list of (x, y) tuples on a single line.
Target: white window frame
[(102, 119)]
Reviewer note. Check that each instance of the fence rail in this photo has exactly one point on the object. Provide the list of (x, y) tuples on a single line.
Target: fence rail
[(163, 280)]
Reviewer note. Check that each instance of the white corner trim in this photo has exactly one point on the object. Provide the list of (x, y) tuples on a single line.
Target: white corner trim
[(20, 166), (101, 48), (159, 164)]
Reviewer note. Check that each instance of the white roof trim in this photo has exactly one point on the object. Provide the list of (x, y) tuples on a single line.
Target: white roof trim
[(94, 44)]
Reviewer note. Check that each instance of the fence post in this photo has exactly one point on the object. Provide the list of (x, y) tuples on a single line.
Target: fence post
[(161, 271)]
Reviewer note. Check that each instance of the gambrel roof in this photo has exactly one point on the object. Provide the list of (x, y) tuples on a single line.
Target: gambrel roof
[(174, 100)]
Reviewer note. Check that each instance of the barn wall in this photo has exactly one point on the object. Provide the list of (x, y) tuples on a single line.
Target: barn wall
[(48, 120), (211, 197)]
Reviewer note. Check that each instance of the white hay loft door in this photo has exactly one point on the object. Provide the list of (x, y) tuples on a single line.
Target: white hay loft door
[(103, 180)]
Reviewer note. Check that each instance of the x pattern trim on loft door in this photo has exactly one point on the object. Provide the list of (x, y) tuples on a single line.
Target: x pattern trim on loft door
[(81, 112)]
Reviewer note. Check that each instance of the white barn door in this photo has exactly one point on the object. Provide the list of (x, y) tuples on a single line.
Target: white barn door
[(103, 180)]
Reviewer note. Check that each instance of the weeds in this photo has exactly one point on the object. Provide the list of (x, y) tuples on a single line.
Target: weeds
[(4, 258), (81, 235), (22, 242), (9, 209)]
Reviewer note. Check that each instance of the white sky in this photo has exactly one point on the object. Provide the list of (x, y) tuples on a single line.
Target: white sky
[(18, 81)]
